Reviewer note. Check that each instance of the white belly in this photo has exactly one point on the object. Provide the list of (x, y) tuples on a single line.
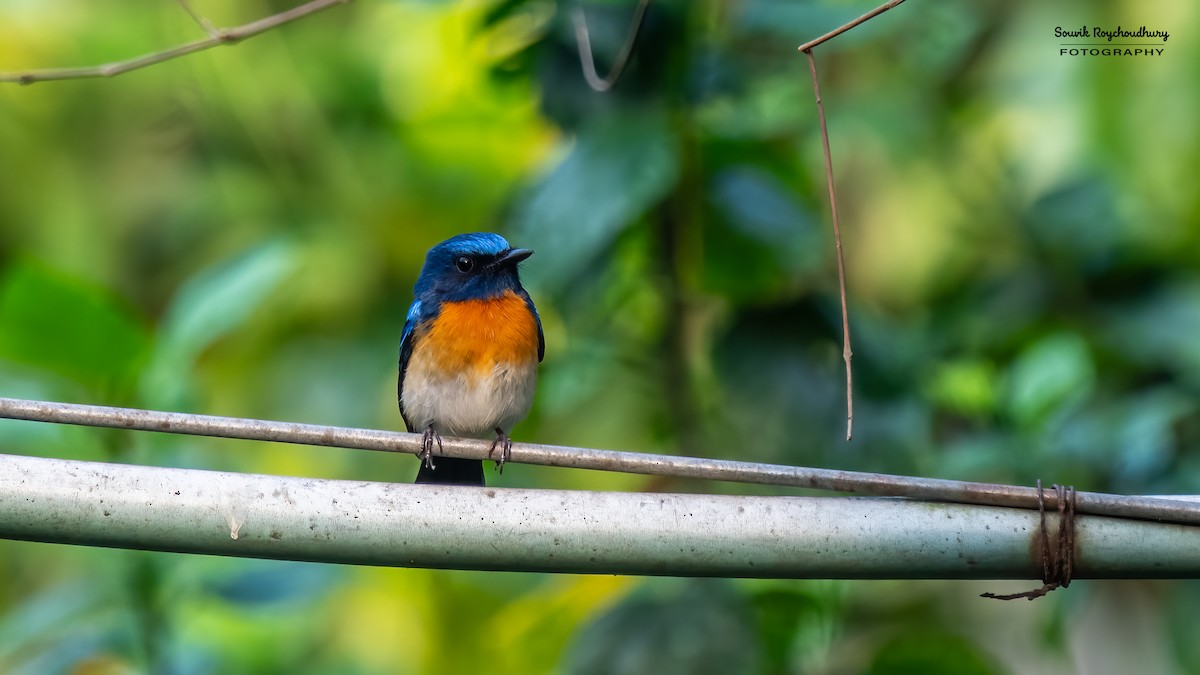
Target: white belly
[(465, 404)]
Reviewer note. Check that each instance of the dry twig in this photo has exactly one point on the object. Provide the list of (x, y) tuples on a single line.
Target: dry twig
[(807, 46), (200, 19), (216, 37), (847, 353)]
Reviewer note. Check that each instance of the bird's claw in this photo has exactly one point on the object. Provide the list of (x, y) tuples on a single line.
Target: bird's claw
[(504, 443), (427, 441)]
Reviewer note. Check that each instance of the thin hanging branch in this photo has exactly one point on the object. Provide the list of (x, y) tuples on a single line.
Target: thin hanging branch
[(847, 352), (588, 62), (216, 37)]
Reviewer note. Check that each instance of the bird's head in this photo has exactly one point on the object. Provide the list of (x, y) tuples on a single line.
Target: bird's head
[(470, 266)]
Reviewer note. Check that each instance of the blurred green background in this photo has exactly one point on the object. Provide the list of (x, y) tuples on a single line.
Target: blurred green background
[(237, 233)]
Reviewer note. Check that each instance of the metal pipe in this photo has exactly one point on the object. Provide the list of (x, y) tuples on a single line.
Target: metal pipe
[(1175, 510), (191, 511)]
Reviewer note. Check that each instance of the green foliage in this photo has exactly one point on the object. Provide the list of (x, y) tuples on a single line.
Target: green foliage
[(619, 167), (208, 307), (1049, 376), (931, 653), (237, 233), (700, 629), (64, 326)]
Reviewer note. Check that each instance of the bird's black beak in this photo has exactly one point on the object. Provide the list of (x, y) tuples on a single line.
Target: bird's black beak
[(513, 256)]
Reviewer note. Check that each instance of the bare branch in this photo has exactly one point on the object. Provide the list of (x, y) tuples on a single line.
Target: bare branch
[(807, 46), (586, 60), (847, 354), (200, 19), (217, 36)]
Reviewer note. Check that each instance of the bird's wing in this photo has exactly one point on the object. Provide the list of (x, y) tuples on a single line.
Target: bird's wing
[(406, 349), (538, 319)]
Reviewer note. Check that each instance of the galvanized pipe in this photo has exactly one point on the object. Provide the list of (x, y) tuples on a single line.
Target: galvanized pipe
[(140, 507), (1176, 510)]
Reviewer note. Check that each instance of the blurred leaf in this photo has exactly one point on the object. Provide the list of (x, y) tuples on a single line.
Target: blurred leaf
[(1131, 441), (64, 626), (1184, 633), (46, 614), (503, 9), (210, 306), (258, 582), (534, 625), (514, 25), (82, 649), (767, 238), (982, 456), (1146, 436), (764, 108), (106, 664), (800, 21), (952, 31), (65, 326), (796, 629), (1048, 376), (706, 628), (932, 653), (777, 382), (1160, 331), (1078, 218), (761, 207), (619, 168), (220, 298), (967, 387), (575, 376)]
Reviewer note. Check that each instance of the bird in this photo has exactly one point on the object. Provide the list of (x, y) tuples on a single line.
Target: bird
[(469, 353)]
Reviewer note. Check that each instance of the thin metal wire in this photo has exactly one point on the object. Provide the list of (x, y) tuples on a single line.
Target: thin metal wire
[(1172, 509), (1058, 563)]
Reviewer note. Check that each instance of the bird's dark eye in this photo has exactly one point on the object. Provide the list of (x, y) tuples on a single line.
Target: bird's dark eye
[(464, 264)]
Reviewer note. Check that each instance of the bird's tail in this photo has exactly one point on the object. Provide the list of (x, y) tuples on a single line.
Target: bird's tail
[(452, 471)]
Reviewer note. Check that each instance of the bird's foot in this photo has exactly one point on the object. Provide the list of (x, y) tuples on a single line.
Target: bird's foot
[(504, 444), (427, 440)]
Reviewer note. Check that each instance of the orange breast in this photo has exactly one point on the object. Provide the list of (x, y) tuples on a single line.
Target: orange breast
[(475, 335)]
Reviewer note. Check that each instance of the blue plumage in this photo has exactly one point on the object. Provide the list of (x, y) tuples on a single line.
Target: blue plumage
[(460, 375)]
